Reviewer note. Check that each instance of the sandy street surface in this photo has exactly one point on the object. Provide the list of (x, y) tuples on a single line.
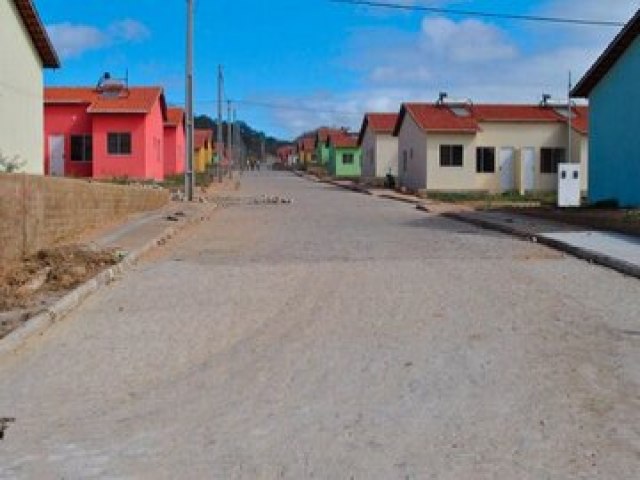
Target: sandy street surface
[(340, 337)]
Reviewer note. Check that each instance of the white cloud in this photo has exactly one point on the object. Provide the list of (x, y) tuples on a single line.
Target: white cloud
[(467, 58), (128, 30), (73, 40), (466, 41)]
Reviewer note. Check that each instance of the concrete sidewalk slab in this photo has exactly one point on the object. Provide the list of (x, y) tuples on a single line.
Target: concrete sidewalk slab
[(134, 238), (616, 245), (613, 250)]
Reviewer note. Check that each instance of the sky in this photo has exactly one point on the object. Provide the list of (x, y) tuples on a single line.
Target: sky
[(293, 65)]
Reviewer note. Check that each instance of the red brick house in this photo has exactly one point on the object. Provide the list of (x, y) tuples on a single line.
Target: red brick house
[(104, 132)]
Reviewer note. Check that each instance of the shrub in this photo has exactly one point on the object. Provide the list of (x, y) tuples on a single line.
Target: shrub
[(11, 164)]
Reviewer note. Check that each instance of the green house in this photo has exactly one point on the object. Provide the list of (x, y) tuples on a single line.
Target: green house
[(322, 149), (345, 156)]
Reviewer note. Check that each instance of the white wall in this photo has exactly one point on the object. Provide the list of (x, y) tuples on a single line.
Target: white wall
[(413, 141), (517, 135), (379, 154), (387, 155), (369, 154), (21, 92)]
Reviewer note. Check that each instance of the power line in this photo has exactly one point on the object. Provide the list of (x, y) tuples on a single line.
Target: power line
[(280, 106), (475, 13)]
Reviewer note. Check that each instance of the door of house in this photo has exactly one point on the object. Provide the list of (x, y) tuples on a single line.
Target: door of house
[(507, 175), (56, 155), (529, 168)]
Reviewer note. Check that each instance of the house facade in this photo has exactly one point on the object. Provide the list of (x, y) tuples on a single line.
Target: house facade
[(174, 142), (306, 150), (25, 49), (378, 145), (488, 148), (322, 153), (286, 155), (611, 86), (345, 156), (204, 149), (105, 132)]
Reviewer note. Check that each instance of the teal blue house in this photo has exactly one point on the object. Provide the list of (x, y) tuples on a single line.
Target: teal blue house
[(612, 86), (345, 155)]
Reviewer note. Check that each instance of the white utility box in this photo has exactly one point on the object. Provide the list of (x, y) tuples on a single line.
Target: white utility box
[(569, 183)]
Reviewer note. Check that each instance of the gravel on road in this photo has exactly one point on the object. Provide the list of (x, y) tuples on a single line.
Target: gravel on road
[(342, 336)]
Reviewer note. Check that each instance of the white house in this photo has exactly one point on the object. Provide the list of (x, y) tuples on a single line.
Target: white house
[(488, 148), (379, 145), (25, 49)]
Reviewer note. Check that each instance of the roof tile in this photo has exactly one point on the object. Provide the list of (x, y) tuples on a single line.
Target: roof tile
[(133, 100)]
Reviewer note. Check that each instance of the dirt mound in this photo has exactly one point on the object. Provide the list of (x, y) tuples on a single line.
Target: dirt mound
[(23, 284)]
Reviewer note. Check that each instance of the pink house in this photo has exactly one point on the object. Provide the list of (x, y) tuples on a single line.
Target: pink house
[(174, 142), (105, 132)]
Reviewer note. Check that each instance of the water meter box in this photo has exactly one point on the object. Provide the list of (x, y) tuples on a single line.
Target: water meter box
[(569, 184)]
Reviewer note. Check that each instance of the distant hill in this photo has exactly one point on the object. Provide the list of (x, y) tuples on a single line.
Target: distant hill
[(252, 138)]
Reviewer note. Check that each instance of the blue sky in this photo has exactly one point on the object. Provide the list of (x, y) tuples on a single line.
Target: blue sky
[(327, 63)]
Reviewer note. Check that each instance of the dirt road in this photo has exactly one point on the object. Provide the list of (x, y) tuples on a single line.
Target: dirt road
[(340, 337)]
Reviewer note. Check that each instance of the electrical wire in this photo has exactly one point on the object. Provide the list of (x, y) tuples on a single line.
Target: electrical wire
[(279, 106), (477, 13)]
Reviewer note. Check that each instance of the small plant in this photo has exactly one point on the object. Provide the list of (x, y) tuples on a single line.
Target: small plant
[(631, 216), (11, 164)]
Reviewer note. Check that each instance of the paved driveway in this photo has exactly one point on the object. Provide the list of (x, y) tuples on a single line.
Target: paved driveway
[(340, 337)]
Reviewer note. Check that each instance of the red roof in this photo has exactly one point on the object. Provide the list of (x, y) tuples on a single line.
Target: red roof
[(202, 136), (513, 113), (343, 140), (378, 123), (307, 144), (38, 33), (382, 122), (131, 100), (323, 134), (441, 118), (175, 116), (581, 121), (436, 118), (609, 58)]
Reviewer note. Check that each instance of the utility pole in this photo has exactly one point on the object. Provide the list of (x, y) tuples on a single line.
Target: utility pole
[(570, 113), (236, 138), (189, 177), (229, 136), (220, 140)]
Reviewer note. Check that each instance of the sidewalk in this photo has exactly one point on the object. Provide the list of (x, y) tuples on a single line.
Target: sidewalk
[(426, 205), (614, 250), (131, 239)]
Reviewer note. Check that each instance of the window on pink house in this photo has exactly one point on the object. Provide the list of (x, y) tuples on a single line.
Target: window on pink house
[(119, 143), (81, 148)]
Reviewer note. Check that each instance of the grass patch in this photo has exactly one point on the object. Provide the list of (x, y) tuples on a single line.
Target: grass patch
[(545, 198), (176, 182)]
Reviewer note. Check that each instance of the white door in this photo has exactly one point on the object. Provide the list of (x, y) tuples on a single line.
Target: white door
[(507, 174), (529, 168), (56, 155)]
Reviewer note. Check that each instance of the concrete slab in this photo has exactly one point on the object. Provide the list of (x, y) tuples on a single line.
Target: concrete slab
[(616, 245), (614, 250)]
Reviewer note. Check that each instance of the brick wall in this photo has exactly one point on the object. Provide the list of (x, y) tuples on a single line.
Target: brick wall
[(38, 212)]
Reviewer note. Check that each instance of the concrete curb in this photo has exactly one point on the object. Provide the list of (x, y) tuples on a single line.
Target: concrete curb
[(410, 201), (352, 188), (618, 265), (39, 323)]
